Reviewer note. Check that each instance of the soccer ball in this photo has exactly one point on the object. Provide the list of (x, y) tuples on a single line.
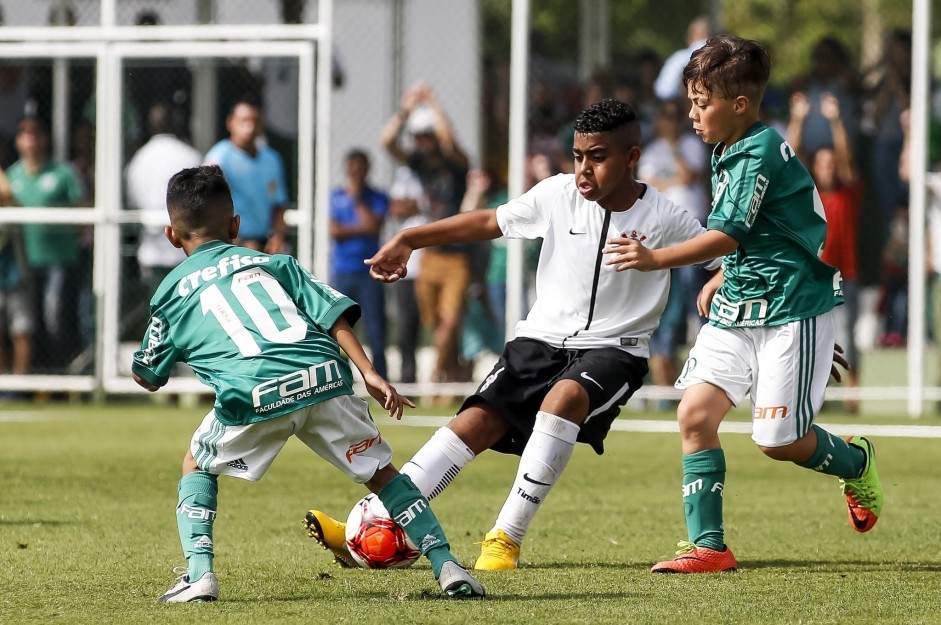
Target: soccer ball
[(375, 540)]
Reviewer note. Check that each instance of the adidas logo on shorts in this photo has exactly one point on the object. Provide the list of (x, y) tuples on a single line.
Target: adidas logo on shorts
[(237, 464)]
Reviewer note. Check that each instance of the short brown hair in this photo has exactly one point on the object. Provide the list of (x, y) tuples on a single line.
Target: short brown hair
[(730, 66)]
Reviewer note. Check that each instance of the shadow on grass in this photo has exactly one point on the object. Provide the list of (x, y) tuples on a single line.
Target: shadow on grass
[(565, 564), (425, 596), (842, 566)]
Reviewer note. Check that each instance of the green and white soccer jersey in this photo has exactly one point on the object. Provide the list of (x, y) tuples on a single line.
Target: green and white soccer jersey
[(765, 199), (254, 327)]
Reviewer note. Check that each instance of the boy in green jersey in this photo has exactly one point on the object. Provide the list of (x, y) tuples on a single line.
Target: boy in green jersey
[(266, 336), (770, 332)]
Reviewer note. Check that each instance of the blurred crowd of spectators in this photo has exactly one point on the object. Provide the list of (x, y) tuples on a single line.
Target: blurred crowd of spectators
[(849, 125)]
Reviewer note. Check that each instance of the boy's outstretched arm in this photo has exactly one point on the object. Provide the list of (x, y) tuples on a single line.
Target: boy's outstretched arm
[(388, 265), (378, 387), (631, 254)]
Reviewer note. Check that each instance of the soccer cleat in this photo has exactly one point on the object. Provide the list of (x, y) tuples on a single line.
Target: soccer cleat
[(206, 588), (692, 559), (864, 494), (330, 534), (498, 552), (458, 583)]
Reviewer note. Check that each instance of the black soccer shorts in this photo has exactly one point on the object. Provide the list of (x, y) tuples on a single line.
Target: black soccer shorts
[(526, 371)]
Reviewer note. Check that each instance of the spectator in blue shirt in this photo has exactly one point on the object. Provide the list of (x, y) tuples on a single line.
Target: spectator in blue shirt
[(255, 174), (357, 211)]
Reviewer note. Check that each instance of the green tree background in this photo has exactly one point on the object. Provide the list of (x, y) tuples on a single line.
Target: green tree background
[(789, 27)]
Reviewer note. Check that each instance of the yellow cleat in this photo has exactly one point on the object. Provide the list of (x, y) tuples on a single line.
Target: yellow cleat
[(498, 552), (330, 534)]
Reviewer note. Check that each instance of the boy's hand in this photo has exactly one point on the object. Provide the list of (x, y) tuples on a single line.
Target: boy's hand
[(838, 359), (629, 254), (386, 395), (388, 265), (704, 299)]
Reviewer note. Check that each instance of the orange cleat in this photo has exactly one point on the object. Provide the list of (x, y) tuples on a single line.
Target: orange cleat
[(864, 497), (692, 559)]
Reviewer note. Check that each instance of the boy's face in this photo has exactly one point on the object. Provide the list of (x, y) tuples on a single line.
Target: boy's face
[(604, 164), (715, 118)]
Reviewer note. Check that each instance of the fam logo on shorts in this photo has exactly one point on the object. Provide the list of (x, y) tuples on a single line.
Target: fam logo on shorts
[(360, 447), (770, 412)]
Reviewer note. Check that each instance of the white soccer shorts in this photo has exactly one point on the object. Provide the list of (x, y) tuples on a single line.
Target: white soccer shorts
[(338, 430), (784, 368)]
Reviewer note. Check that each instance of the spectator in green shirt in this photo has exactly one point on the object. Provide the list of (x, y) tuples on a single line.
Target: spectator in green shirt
[(52, 250)]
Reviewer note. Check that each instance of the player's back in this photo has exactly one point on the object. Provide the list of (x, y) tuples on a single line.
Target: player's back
[(765, 199), (253, 326)]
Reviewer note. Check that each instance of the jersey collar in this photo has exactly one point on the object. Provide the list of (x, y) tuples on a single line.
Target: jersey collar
[(739, 145), (209, 245)]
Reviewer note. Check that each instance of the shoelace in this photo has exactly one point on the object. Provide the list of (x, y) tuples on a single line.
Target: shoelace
[(501, 545), (181, 571), (685, 547), (862, 492)]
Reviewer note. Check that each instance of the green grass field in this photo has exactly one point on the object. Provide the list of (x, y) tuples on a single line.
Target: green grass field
[(88, 534)]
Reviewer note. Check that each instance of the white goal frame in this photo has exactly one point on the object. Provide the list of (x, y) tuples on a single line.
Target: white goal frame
[(110, 46)]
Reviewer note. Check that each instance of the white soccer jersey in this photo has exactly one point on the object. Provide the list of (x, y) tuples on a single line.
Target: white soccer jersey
[(581, 302)]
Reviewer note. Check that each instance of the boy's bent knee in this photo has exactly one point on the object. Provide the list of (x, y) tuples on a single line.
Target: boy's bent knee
[(567, 399), (479, 427)]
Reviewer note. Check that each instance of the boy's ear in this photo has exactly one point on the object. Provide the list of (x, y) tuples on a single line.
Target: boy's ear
[(172, 237), (740, 104), (234, 227), (633, 156)]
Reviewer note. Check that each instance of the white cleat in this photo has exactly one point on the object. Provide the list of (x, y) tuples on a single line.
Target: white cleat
[(206, 588), (457, 583)]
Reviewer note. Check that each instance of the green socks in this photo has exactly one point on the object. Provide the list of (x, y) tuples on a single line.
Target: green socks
[(703, 481), (410, 510), (195, 513), (834, 456)]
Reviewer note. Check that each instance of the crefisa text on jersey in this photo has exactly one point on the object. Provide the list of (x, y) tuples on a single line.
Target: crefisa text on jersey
[(225, 266), (297, 385)]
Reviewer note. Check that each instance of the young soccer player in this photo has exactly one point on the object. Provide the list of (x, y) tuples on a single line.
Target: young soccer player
[(771, 331), (582, 350), (266, 335)]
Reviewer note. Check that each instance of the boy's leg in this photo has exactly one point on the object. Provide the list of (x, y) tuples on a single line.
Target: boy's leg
[(795, 363), (341, 431), (452, 447), (699, 414), (541, 464), (410, 509), (431, 469), (243, 451), (587, 389), (195, 514), (716, 377)]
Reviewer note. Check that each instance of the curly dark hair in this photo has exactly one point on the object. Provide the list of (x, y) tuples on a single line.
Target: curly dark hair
[(605, 116)]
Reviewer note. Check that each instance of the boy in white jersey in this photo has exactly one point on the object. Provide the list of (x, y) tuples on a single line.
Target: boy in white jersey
[(266, 336), (771, 330), (582, 350)]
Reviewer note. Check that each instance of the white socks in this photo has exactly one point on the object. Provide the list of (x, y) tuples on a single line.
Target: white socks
[(543, 460), (438, 462)]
